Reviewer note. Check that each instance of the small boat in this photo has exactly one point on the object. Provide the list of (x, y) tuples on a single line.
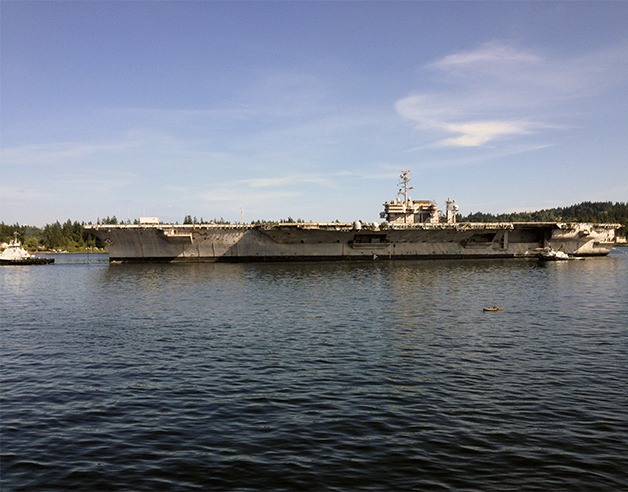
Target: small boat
[(549, 254), (493, 309), (15, 254)]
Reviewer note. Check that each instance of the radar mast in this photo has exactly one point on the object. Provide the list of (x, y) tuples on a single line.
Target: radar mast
[(404, 180)]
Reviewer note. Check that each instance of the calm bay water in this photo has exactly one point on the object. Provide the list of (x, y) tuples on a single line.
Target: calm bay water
[(315, 376)]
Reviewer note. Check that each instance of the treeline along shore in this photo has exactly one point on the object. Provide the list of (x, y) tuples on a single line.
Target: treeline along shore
[(71, 236), (68, 237), (596, 212)]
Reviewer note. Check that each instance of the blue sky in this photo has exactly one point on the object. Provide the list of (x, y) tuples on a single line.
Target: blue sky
[(308, 109)]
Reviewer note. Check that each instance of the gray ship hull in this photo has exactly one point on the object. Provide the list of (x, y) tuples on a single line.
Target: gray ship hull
[(335, 241)]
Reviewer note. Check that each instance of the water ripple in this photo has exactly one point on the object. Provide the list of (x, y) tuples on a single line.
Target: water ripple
[(315, 376)]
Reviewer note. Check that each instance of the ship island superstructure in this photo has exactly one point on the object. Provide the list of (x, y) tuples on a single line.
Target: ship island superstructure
[(412, 229)]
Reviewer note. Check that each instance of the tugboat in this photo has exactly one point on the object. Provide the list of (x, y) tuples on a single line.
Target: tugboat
[(14, 254), (550, 254)]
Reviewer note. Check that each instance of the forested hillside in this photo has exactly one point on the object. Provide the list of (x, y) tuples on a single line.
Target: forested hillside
[(606, 212), (71, 236)]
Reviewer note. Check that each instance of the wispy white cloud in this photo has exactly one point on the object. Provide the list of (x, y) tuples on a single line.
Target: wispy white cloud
[(267, 196), (449, 119), (242, 196), (496, 92), (257, 190), (68, 152), (57, 153), (296, 180), (491, 63), (11, 194), (487, 57), (477, 133), (146, 150)]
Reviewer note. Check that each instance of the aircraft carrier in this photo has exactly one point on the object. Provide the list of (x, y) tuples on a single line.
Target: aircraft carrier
[(412, 229)]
